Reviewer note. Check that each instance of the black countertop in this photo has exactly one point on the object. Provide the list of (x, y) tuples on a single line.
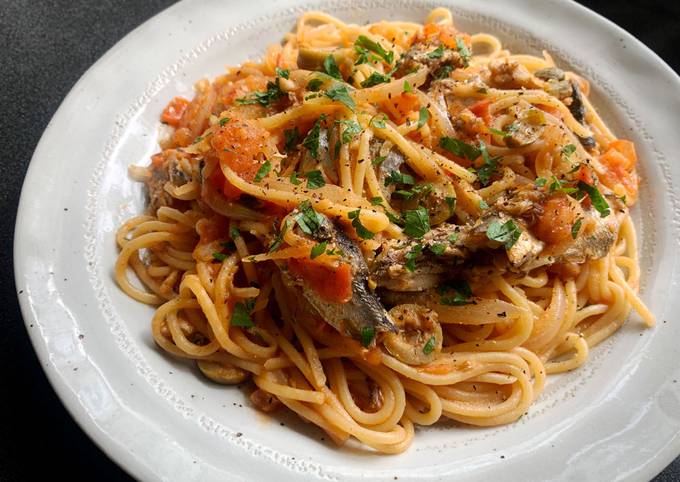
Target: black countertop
[(45, 46)]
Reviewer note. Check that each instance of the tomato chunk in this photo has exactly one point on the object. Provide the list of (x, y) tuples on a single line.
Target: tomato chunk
[(174, 110), (331, 283), (555, 222)]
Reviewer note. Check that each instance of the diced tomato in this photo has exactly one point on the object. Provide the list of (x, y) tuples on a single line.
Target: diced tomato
[(399, 107), (446, 34), (332, 283), (174, 110), (555, 221), (220, 183), (620, 160), (481, 109)]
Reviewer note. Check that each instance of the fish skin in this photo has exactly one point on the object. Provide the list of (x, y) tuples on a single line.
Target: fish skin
[(364, 309)]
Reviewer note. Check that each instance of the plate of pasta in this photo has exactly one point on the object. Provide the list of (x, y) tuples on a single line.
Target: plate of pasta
[(386, 240)]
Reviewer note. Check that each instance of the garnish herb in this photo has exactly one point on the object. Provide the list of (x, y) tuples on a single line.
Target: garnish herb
[(241, 316), (361, 230), (376, 78), (540, 181), (219, 256), (560, 185), (339, 93), (278, 236), (375, 47), (436, 53), (451, 202), (411, 257), (453, 237), (376, 201), (463, 51), (308, 220), (331, 67), (398, 177), (419, 190), (284, 73), (315, 179), (483, 204), (294, 178), (318, 250), (438, 248), (459, 148), (378, 122), (266, 98), (407, 87), (568, 150), (311, 142), (443, 72), (599, 202), (489, 167), (423, 117), (576, 227), (224, 120), (506, 233), (429, 346), (314, 84), (234, 232), (262, 171), (455, 293), (352, 128), (377, 160), (291, 136), (367, 335), (416, 222)]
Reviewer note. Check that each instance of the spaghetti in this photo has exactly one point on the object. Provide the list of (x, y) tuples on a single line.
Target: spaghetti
[(384, 225)]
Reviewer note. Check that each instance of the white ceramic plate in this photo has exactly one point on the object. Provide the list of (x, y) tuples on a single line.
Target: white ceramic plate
[(616, 418)]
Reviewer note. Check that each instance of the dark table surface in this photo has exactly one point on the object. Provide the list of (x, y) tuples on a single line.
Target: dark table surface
[(45, 46)]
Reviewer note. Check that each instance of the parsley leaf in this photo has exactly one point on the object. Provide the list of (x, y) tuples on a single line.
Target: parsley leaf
[(416, 222), (352, 128), (462, 293), (378, 122), (367, 43), (318, 250), (234, 232), (489, 167), (599, 202), (361, 230), (438, 248), (376, 201), (266, 98), (314, 84), (398, 177), (560, 185), (219, 256), (568, 150), (292, 136), (411, 257), (284, 73), (307, 219), (463, 51), (407, 87), (419, 190), (278, 236), (339, 93), (429, 346), (367, 335), (540, 181), (331, 67), (376, 78), (315, 179), (436, 53), (576, 227), (451, 202), (377, 160), (311, 142), (443, 72), (423, 117), (506, 233), (453, 237), (459, 148), (362, 55), (224, 120), (241, 316), (294, 178), (262, 171), (483, 204)]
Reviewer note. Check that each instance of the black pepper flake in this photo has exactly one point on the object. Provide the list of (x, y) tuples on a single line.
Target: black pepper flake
[(239, 434)]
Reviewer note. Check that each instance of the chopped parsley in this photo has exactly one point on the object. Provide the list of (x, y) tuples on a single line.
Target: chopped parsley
[(416, 222), (418, 190), (376, 78), (278, 236), (315, 179), (459, 148), (311, 142), (560, 185), (506, 233), (423, 117), (241, 315), (377, 160), (366, 43), (398, 177), (219, 256), (367, 335), (568, 150), (352, 128), (438, 248), (265, 98), (489, 167), (483, 204), (463, 51), (429, 346), (318, 250), (599, 202), (540, 182), (224, 120), (234, 232), (411, 257), (361, 230), (284, 73), (576, 227), (443, 72), (331, 67), (455, 293), (340, 94), (451, 202), (294, 178), (292, 137), (453, 237), (307, 219), (436, 53), (407, 87), (262, 171), (314, 84), (506, 132), (376, 201), (378, 121)]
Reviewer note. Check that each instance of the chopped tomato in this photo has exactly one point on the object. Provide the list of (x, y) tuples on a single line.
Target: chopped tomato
[(220, 183), (331, 283), (620, 160), (446, 34), (238, 144), (481, 109), (399, 107), (555, 222), (174, 110), (157, 159)]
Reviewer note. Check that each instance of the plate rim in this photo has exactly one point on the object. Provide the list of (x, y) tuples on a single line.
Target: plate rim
[(84, 419)]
